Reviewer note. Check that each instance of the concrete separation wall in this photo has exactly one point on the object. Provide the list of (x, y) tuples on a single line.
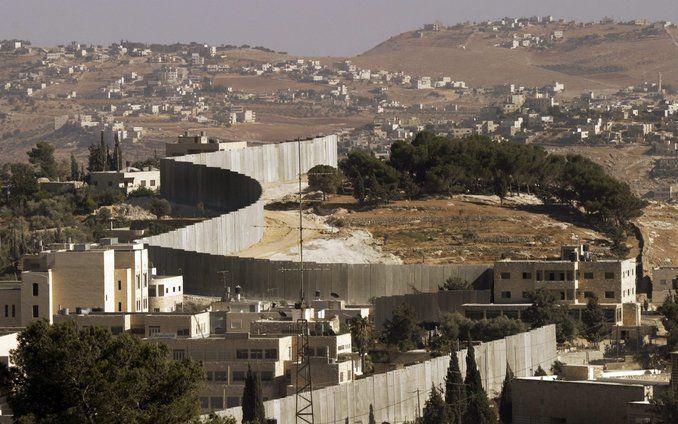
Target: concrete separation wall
[(428, 306), (230, 182), (393, 395)]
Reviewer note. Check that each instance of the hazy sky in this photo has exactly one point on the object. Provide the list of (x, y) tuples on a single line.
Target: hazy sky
[(305, 27)]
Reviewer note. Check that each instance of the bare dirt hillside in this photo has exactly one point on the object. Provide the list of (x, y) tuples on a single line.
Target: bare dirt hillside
[(593, 57)]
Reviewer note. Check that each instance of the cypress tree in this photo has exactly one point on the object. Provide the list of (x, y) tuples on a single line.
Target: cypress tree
[(75, 170), (435, 410), (478, 410), (371, 419), (506, 398), (455, 391), (252, 399)]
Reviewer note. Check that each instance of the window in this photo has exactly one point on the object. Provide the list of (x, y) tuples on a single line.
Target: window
[(505, 275), (36, 311), (232, 402), (178, 354), (152, 183), (138, 281), (204, 403), (35, 289), (115, 330), (238, 376), (266, 375), (506, 295), (609, 275), (588, 276), (210, 376), (13, 311), (538, 275), (119, 285), (588, 294), (153, 330), (6, 311), (241, 354), (551, 276), (143, 183), (151, 291), (220, 376), (217, 402), (183, 332), (271, 353), (256, 354), (527, 275), (119, 306), (562, 295)]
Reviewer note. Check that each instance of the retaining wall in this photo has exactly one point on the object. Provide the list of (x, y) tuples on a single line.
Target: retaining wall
[(393, 395)]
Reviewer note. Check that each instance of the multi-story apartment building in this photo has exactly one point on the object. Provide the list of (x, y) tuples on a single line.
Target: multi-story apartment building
[(573, 278), (664, 283), (126, 180), (108, 277)]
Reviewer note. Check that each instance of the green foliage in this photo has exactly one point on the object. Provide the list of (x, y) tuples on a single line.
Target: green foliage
[(619, 247), (42, 156), (361, 335), (455, 391), (66, 375), (75, 169), (456, 283), (142, 192), (478, 409), (546, 310), (593, 320), (213, 418), (670, 311), (402, 330), (98, 157), (666, 406), (453, 325), (506, 398), (557, 367), (325, 178), (23, 182), (435, 409), (370, 419), (373, 180), (252, 399), (540, 372), (444, 165), (159, 207)]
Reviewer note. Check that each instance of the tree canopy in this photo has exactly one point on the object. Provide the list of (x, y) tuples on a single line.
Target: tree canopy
[(402, 330), (65, 375)]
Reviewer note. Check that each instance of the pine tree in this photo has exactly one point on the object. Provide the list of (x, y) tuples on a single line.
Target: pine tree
[(478, 410), (252, 399), (506, 398), (540, 372), (455, 391), (75, 170), (371, 419), (116, 159), (435, 410), (593, 319)]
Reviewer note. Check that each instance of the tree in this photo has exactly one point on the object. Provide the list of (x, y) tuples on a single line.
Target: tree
[(540, 372), (252, 399), (361, 334), (546, 310), (23, 183), (666, 406), (62, 374), (435, 410), (501, 187), (670, 311), (75, 169), (478, 408), (159, 207), (619, 248), (593, 320), (455, 391), (42, 156), (456, 283), (402, 329), (506, 398), (371, 419), (213, 418), (98, 156), (115, 161), (557, 367), (373, 180), (325, 178)]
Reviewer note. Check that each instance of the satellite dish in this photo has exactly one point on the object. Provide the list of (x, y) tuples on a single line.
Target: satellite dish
[(282, 314), (334, 295)]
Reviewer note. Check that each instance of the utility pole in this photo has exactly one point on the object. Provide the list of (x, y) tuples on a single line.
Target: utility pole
[(418, 406)]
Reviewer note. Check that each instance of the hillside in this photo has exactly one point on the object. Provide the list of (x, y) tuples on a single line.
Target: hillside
[(599, 57)]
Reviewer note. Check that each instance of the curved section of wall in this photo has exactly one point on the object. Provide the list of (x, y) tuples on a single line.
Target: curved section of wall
[(230, 182)]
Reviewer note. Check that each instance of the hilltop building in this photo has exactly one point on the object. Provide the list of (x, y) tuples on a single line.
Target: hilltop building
[(188, 144)]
